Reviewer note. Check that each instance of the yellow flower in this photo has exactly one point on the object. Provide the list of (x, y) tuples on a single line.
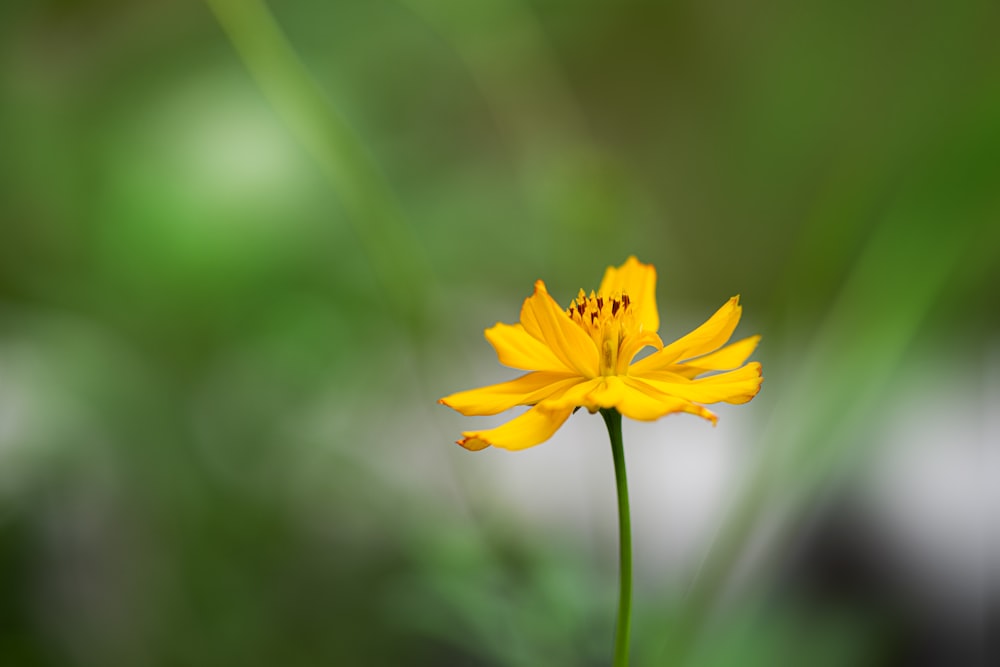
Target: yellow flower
[(583, 357)]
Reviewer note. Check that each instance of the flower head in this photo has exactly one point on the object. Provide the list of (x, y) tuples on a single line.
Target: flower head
[(584, 356)]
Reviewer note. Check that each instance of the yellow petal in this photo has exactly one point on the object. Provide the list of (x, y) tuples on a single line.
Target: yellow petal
[(608, 393), (577, 395), (517, 348), (631, 346), (630, 397), (637, 400), (542, 317), (525, 390), (730, 357), (638, 280), (737, 386), (533, 427), (709, 337)]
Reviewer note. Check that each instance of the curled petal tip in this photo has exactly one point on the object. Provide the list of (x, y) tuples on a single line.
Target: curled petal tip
[(705, 413), (472, 444)]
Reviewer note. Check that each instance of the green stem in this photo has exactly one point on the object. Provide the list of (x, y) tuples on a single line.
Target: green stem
[(613, 420)]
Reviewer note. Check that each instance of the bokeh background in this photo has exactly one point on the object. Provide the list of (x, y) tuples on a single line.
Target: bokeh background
[(243, 250)]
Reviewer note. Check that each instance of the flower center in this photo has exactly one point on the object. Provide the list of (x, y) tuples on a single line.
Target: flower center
[(608, 320)]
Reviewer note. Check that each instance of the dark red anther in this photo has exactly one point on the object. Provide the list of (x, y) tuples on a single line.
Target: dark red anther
[(615, 305), (625, 300), (600, 303)]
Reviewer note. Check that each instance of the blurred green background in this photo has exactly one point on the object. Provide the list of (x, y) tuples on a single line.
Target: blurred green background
[(242, 254)]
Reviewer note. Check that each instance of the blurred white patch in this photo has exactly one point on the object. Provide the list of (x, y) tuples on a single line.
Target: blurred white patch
[(235, 148), (50, 364), (934, 490), (227, 136), (681, 473)]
